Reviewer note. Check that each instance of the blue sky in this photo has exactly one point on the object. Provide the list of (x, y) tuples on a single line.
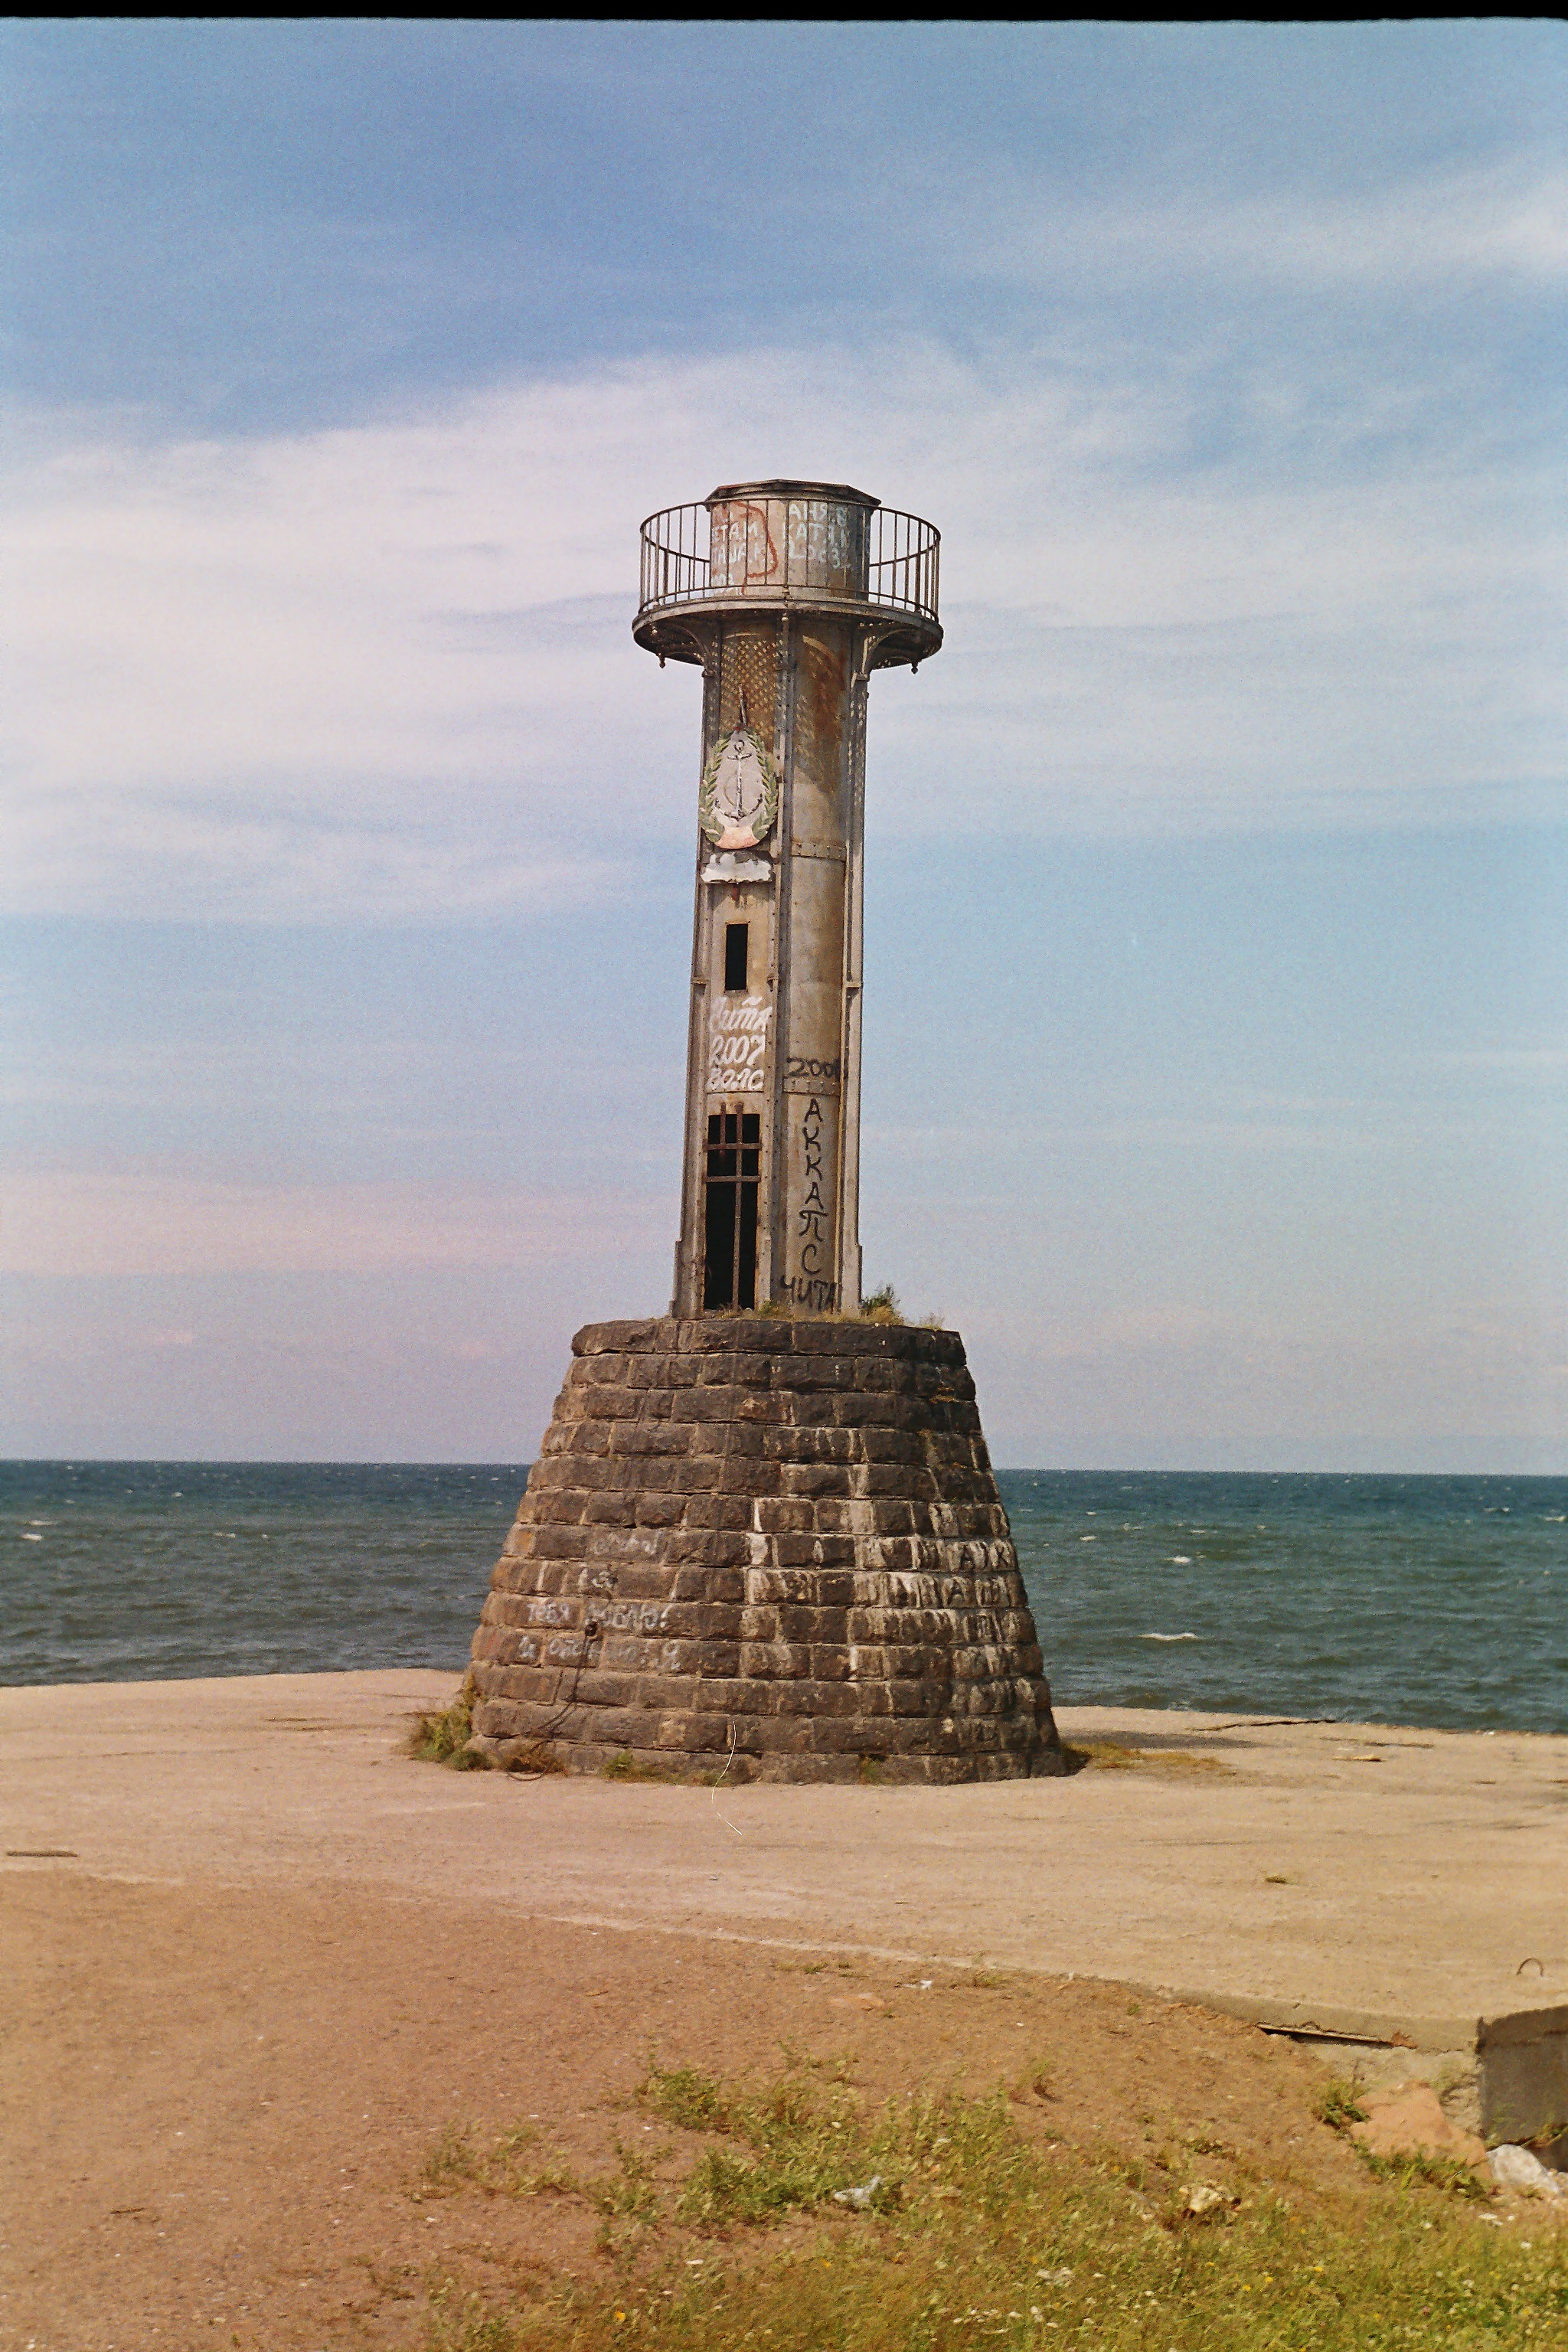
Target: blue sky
[(1215, 1035)]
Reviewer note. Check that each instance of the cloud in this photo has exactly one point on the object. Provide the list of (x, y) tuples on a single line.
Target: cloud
[(1524, 1064), (1455, 230), (386, 670), (80, 1224)]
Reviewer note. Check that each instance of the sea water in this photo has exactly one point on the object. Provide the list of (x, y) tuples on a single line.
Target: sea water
[(1421, 1601)]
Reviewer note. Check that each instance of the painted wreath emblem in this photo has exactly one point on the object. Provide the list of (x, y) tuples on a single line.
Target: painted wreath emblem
[(739, 796)]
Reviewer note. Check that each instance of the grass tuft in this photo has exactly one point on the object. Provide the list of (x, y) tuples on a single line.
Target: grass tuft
[(1339, 2104), (683, 2096), (443, 1738), (1412, 2165), (628, 2199), (498, 2170), (468, 2326), (627, 1767)]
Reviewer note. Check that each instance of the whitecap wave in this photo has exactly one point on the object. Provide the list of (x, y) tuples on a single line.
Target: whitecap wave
[(1170, 1637)]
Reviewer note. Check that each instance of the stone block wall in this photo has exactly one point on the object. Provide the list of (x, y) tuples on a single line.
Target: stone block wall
[(770, 1545)]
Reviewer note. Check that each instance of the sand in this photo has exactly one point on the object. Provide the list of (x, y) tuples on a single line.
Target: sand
[(256, 1959)]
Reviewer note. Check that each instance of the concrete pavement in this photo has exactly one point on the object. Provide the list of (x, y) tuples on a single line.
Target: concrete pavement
[(1404, 1890)]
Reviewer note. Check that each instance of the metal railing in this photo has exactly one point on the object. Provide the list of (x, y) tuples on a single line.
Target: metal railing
[(903, 560), (814, 549)]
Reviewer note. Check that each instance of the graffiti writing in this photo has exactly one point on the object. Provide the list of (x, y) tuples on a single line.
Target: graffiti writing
[(817, 539), (801, 1065), (814, 1236), (811, 1296), (742, 546), (738, 1046)]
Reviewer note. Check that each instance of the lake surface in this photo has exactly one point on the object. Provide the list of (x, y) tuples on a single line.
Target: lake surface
[(1423, 1601)]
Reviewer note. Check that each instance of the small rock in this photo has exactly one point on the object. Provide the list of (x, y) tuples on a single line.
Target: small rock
[(1408, 2120), (1202, 2197), (1515, 2168), (859, 2200)]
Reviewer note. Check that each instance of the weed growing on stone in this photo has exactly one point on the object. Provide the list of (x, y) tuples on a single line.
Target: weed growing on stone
[(973, 2233), (443, 1738)]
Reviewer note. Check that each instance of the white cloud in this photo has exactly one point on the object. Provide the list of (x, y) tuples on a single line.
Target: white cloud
[(387, 670)]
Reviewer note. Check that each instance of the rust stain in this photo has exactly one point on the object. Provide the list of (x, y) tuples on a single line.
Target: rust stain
[(823, 663)]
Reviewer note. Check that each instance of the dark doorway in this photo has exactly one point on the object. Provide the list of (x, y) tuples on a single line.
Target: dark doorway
[(734, 1165), (737, 957)]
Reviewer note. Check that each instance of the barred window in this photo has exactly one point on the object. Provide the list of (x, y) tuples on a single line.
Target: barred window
[(732, 1177)]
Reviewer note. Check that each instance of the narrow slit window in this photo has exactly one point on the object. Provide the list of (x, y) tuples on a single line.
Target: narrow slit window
[(737, 956)]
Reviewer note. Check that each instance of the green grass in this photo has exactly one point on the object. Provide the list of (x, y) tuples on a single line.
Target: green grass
[(690, 2100), (981, 2236), (469, 2323), (1443, 2172), (496, 2169), (442, 1737), (1339, 2104)]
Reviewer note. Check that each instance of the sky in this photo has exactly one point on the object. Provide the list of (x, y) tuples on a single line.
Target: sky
[(1217, 1009)]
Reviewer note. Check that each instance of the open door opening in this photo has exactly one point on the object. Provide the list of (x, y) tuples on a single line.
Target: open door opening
[(729, 1211)]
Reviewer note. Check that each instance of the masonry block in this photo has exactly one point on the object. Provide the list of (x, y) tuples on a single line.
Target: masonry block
[(770, 1545)]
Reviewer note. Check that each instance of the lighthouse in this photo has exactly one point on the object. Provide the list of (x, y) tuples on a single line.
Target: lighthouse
[(762, 1538), (788, 595)]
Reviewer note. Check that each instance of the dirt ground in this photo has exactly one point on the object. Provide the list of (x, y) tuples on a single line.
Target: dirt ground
[(220, 2100)]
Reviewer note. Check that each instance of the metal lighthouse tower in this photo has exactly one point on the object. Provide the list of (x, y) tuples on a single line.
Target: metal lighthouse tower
[(788, 595)]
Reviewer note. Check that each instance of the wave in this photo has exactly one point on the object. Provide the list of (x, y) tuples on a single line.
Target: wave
[(1170, 1637)]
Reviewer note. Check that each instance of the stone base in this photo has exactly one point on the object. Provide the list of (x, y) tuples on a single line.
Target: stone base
[(769, 1548)]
